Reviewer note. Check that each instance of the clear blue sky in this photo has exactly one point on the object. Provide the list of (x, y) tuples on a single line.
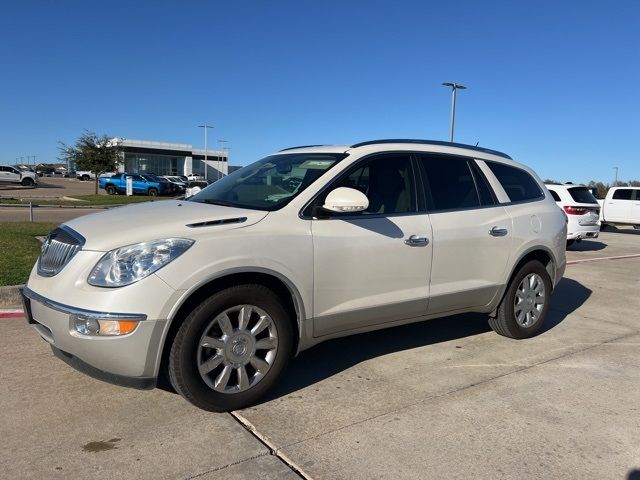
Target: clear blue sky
[(556, 84)]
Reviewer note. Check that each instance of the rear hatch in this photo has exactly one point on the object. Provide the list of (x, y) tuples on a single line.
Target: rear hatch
[(585, 207)]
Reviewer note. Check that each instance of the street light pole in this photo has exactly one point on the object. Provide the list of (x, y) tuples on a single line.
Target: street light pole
[(454, 87), (206, 127), (615, 182), (222, 148)]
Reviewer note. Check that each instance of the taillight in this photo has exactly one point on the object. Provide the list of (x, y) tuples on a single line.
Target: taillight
[(575, 210)]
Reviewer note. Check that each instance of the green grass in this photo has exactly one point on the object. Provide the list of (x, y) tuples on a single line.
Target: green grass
[(19, 250), (84, 200)]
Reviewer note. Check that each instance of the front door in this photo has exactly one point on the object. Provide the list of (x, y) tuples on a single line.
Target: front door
[(619, 208), (372, 267)]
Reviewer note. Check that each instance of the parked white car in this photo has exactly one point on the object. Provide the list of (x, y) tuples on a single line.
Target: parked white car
[(582, 209), (219, 292), (11, 174), (621, 206), (85, 175)]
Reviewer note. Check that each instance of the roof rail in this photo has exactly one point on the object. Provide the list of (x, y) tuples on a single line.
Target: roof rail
[(433, 142), (300, 146)]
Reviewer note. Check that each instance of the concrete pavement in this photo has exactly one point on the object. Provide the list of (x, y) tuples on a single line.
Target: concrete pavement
[(441, 399)]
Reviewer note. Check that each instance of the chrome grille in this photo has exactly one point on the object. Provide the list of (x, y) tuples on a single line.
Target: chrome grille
[(58, 249)]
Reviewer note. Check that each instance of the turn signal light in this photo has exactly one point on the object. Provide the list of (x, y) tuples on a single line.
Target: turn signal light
[(102, 327)]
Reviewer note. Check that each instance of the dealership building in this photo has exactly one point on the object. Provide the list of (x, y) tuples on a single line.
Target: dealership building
[(163, 158)]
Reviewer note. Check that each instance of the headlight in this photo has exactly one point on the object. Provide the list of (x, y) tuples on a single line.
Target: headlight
[(127, 265)]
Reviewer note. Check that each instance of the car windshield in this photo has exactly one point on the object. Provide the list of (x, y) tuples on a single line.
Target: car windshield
[(152, 177), (582, 195), (270, 183)]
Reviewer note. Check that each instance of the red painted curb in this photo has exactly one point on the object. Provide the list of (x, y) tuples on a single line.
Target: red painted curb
[(12, 314)]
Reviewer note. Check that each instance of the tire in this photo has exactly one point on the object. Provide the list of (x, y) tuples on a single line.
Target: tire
[(152, 192), (111, 190), (234, 352), (570, 242), (27, 182), (603, 226), (505, 322), (84, 178)]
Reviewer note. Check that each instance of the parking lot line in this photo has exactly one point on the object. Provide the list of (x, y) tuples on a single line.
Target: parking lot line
[(602, 259)]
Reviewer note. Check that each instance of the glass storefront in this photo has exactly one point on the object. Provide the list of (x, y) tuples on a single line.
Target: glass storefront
[(157, 164)]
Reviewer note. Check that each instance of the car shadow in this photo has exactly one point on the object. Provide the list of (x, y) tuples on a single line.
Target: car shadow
[(334, 356), (627, 231), (587, 246)]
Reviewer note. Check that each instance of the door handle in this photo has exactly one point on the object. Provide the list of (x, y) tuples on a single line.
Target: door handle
[(498, 232), (416, 241)]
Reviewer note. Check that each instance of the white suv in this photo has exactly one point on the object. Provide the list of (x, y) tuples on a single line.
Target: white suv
[(218, 293), (11, 174), (582, 209)]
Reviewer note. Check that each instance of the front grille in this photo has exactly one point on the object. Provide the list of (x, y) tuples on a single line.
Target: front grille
[(58, 249)]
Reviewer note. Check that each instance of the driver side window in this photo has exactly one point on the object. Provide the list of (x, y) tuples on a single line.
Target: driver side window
[(388, 183)]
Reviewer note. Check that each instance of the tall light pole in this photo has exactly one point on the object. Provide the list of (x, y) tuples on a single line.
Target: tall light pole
[(206, 127), (615, 182), (222, 148), (454, 87)]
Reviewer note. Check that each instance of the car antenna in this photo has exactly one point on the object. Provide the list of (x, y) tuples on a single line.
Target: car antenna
[(477, 143)]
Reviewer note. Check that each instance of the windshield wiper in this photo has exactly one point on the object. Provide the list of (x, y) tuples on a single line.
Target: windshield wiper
[(217, 202)]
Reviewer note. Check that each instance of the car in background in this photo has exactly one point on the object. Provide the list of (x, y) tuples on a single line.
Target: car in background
[(621, 206), (180, 184), (142, 184), (194, 187), (11, 174), (582, 210)]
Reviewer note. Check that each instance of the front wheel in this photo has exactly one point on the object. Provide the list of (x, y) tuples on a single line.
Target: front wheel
[(27, 182), (525, 304), (231, 349)]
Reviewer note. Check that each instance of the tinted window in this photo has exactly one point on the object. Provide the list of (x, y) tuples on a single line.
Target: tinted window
[(388, 183), (582, 195), (622, 194), (518, 184), (555, 196), (448, 182)]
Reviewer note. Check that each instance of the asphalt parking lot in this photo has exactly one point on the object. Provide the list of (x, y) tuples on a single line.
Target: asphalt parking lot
[(446, 398), (49, 187)]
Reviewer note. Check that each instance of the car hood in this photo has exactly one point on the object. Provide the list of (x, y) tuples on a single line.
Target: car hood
[(121, 226)]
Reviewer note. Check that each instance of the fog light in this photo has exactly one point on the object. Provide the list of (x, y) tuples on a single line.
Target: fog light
[(102, 327)]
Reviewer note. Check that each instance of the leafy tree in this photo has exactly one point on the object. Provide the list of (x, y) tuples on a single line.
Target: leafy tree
[(550, 181), (98, 154), (602, 188)]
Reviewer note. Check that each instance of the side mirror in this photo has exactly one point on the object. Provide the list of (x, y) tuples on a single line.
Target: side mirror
[(346, 200)]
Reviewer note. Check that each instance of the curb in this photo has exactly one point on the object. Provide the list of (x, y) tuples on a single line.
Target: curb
[(10, 297)]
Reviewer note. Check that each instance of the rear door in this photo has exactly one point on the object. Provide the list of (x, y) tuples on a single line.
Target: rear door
[(619, 207), (471, 233)]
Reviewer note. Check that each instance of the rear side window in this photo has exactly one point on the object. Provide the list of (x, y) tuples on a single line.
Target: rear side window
[(449, 183), (518, 184), (622, 194), (582, 195), (555, 196)]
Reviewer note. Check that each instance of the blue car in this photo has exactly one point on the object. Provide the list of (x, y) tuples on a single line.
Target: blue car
[(143, 184)]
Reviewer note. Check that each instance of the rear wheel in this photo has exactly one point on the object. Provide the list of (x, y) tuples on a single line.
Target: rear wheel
[(84, 177), (111, 190), (153, 192), (570, 242), (524, 306), (231, 349), (27, 182)]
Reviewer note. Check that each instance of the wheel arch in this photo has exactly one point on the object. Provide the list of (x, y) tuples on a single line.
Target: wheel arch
[(543, 254), (276, 282)]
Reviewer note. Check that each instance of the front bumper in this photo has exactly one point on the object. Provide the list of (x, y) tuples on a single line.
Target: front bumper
[(128, 360)]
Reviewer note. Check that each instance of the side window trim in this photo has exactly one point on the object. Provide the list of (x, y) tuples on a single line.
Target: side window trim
[(307, 214), (494, 183)]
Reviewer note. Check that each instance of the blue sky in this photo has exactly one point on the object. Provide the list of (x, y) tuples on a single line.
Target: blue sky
[(553, 83)]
